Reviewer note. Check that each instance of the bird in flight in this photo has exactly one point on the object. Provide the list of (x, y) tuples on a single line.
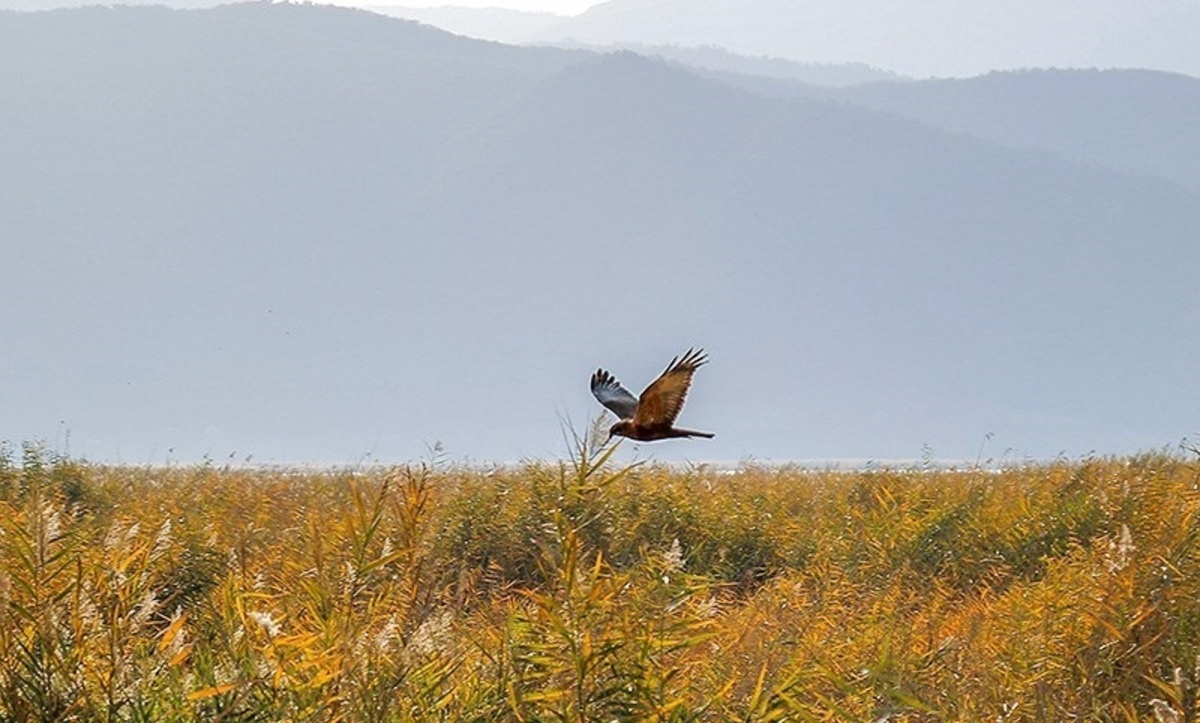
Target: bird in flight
[(651, 416)]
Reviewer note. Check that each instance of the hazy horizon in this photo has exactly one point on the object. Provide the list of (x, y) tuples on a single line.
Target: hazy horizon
[(556, 7), (917, 39), (940, 39)]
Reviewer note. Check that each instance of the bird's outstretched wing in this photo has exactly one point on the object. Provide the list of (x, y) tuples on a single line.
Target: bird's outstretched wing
[(661, 401), (611, 394)]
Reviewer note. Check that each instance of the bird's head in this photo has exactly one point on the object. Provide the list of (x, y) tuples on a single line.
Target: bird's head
[(620, 429)]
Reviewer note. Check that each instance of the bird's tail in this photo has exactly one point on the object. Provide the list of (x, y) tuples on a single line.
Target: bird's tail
[(692, 433)]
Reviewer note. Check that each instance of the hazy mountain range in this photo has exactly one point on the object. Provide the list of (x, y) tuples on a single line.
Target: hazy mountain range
[(516, 27), (495, 23), (306, 233), (1139, 121), (927, 38), (918, 38), (717, 61)]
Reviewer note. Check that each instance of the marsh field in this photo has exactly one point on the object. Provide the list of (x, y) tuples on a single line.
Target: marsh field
[(585, 590)]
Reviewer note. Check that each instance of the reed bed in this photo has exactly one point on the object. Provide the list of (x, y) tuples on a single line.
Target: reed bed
[(580, 590)]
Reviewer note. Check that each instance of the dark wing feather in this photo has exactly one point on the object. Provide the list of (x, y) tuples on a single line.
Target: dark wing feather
[(611, 394), (662, 400)]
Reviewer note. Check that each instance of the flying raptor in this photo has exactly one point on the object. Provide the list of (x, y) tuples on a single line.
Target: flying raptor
[(651, 416)]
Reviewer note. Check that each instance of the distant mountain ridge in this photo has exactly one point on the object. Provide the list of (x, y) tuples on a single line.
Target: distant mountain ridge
[(938, 38), (308, 233), (1135, 121), (500, 24), (516, 27), (715, 59)]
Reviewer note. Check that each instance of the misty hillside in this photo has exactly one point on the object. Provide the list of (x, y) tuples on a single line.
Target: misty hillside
[(516, 27), (937, 38), (493, 23), (303, 233), (719, 61), (1134, 121), (1139, 121)]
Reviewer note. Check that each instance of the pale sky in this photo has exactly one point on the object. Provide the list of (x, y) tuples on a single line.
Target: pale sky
[(558, 7)]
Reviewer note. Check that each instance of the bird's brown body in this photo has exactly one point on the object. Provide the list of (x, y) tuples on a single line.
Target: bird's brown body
[(643, 433), (652, 416)]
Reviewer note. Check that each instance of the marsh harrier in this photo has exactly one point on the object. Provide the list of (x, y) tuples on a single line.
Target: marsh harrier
[(651, 416)]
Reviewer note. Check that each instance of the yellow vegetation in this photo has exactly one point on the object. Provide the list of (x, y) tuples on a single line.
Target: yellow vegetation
[(583, 591)]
